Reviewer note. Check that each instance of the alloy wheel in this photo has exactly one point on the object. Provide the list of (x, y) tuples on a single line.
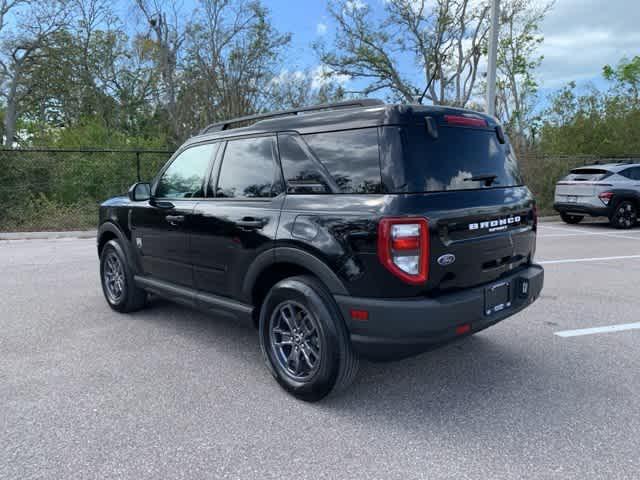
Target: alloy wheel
[(294, 339), (626, 215), (113, 276)]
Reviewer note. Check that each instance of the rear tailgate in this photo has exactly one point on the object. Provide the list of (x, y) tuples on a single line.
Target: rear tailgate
[(476, 236), (574, 191), (580, 185), (461, 174)]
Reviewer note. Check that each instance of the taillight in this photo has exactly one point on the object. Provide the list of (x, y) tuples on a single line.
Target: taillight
[(606, 197), (535, 216), (403, 248)]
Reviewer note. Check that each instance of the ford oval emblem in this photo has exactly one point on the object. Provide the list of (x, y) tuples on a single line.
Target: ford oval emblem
[(446, 259)]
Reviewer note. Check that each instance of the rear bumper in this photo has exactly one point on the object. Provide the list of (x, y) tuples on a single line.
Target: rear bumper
[(582, 209), (402, 328)]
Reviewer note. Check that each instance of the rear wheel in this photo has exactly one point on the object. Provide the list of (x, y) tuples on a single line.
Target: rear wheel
[(625, 215), (304, 340), (118, 285), (571, 219)]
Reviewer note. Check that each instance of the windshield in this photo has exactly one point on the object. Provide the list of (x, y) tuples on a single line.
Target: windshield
[(459, 159)]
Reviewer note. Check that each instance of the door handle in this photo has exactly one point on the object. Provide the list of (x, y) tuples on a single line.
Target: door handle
[(174, 219), (250, 223)]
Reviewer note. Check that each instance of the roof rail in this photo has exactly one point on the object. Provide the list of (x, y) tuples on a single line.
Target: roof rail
[(363, 102)]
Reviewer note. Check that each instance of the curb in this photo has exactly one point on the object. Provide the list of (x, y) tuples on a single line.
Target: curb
[(47, 235)]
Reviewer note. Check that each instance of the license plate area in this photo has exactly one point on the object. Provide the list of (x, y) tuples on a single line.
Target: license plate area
[(497, 297), (572, 199)]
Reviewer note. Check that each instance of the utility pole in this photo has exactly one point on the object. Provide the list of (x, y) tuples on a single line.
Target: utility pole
[(493, 54)]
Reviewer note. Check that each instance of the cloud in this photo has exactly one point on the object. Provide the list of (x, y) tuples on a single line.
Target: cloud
[(355, 5), (581, 36), (285, 76), (321, 28), (322, 75)]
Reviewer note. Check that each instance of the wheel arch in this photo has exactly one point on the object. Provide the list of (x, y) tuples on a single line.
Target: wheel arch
[(282, 262), (110, 231), (625, 195)]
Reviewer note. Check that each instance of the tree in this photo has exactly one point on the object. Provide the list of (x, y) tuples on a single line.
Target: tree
[(627, 77), (601, 122), (232, 55), (518, 59), (36, 24), (301, 88), (445, 40), (169, 37)]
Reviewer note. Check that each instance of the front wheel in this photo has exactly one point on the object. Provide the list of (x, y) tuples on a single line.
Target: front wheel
[(304, 340), (116, 275), (625, 215), (571, 219)]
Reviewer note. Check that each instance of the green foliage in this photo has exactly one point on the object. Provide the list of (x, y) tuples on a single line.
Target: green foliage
[(95, 132), (602, 123), (626, 76)]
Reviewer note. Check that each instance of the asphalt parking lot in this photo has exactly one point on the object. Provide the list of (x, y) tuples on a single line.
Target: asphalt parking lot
[(172, 393)]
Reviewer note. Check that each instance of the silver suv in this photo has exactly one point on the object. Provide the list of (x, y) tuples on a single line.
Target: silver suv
[(610, 190)]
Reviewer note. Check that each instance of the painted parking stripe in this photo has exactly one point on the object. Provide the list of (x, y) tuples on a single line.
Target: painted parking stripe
[(594, 330), (608, 235), (577, 231), (580, 260)]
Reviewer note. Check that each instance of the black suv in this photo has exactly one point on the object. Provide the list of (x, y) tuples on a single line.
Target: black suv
[(339, 231)]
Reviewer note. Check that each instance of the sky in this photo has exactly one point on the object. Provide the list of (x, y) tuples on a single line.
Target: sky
[(580, 36)]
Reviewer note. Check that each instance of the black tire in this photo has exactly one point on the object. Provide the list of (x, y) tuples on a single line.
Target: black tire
[(335, 368), (625, 215), (571, 219), (128, 297)]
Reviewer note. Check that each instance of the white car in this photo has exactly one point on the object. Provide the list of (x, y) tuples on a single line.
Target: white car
[(610, 190)]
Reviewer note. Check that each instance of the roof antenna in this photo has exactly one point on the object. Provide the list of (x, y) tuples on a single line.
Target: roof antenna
[(428, 83)]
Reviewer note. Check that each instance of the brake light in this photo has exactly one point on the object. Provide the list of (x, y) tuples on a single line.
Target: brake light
[(465, 121), (403, 248), (606, 197)]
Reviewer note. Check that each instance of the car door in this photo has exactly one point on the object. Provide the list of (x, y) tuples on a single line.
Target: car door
[(231, 229), (161, 228)]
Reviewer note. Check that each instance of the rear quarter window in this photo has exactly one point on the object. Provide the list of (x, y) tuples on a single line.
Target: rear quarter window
[(350, 157)]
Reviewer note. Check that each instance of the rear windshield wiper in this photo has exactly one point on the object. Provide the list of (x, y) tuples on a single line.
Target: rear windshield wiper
[(487, 179)]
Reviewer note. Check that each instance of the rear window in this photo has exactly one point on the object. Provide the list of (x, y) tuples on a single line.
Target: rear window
[(459, 159), (587, 175)]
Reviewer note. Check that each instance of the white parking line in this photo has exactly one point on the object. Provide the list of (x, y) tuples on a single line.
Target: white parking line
[(594, 330), (609, 235), (580, 260), (578, 232)]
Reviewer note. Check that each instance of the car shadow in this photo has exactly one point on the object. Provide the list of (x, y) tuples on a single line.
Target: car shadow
[(469, 377)]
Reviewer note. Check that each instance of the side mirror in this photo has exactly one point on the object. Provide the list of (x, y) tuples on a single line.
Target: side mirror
[(139, 192)]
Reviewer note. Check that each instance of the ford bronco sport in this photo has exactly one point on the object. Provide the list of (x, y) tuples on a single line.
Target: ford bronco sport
[(338, 231)]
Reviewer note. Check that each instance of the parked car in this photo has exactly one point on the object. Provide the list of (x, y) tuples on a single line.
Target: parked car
[(338, 231), (611, 190)]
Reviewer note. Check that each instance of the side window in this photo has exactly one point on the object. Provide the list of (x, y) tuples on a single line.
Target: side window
[(301, 173), (351, 157), (632, 173), (248, 169), (184, 177)]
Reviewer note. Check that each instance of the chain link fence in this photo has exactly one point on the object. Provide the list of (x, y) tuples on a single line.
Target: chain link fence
[(60, 189)]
